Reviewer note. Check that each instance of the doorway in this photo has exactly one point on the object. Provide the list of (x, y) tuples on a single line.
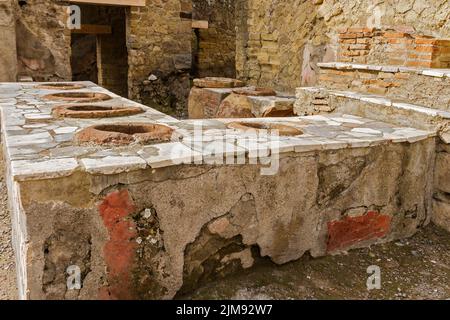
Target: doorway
[(99, 50)]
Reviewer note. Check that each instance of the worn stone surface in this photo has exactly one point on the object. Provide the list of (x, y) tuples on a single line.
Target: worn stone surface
[(442, 173), (204, 103), (375, 107), (441, 213), (441, 201), (310, 102), (245, 105), (235, 106)]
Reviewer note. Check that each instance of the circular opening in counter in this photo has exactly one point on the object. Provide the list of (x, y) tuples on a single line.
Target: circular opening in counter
[(60, 86), (94, 111), (125, 133), (78, 96), (283, 130)]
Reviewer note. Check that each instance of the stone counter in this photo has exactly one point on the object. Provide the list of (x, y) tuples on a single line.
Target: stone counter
[(150, 221)]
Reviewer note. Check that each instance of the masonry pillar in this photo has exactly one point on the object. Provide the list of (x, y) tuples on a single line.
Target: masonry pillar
[(8, 54)]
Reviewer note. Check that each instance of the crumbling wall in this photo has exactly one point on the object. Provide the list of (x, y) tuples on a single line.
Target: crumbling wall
[(441, 198), (215, 47), (160, 55), (149, 233), (407, 85), (8, 55), (43, 41), (280, 41)]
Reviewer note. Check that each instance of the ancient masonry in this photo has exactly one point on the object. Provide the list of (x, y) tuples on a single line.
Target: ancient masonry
[(144, 49), (148, 206)]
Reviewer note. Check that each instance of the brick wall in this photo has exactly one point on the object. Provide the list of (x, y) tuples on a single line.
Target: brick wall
[(441, 198), (112, 56), (215, 47), (160, 55), (431, 91), (392, 47)]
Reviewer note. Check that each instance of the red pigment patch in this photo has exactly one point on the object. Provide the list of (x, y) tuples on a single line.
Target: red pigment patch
[(119, 251), (350, 230)]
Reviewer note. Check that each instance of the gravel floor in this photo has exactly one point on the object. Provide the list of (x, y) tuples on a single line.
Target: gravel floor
[(8, 289), (416, 268)]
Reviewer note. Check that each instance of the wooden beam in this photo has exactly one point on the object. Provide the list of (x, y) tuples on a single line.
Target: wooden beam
[(200, 24), (93, 29), (130, 3)]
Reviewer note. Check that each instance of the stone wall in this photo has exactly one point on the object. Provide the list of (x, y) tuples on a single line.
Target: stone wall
[(160, 55), (423, 87), (392, 47), (43, 46), (8, 55), (147, 234), (280, 41), (84, 57), (441, 198), (215, 51)]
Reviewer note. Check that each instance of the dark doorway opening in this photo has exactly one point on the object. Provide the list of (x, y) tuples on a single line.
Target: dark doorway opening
[(99, 50)]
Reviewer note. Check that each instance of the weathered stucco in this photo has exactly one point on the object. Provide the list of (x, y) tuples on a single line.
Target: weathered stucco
[(43, 40), (190, 223)]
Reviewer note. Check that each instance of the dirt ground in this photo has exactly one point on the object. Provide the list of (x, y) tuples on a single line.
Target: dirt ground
[(8, 289), (416, 268)]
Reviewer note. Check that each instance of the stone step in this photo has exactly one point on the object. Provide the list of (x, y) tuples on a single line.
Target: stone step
[(423, 86), (315, 100)]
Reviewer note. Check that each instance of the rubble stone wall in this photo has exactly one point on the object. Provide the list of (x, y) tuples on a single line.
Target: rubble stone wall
[(216, 46), (160, 54), (441, 198), (280, 42)]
